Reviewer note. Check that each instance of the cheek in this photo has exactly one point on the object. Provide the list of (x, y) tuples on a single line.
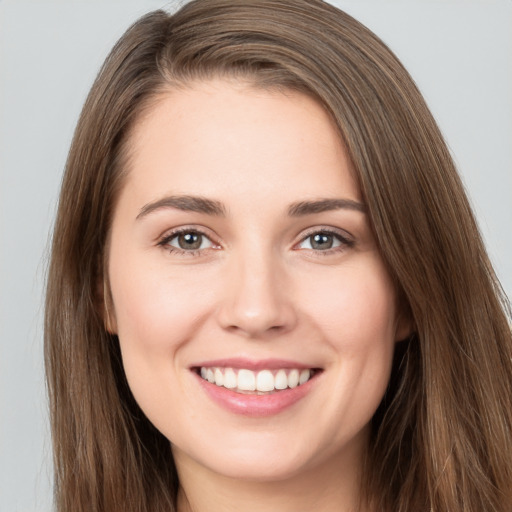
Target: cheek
[(156, 314), (156, 308), (357, 319), (356, 308)]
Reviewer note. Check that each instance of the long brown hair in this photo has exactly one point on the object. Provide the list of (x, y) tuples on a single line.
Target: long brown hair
[(442, 437)]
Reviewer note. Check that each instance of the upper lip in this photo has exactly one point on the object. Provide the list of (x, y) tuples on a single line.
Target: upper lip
[(252, 364)]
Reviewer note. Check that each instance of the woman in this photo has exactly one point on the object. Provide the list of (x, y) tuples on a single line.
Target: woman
[(267, 289)]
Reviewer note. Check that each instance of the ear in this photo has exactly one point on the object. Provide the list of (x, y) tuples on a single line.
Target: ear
[(109, 318), (404, 325), (404, 329), (105, 305)]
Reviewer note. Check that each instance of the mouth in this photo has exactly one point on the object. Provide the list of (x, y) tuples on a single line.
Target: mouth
[(256, 388), (251, 382)]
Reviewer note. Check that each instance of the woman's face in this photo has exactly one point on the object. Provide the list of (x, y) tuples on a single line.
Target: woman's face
[(241, 257)]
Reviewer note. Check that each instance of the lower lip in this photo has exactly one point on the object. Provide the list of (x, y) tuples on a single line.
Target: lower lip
[(255, 405)]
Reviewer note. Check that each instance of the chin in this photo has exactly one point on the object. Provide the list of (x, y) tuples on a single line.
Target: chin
[(274, 456)]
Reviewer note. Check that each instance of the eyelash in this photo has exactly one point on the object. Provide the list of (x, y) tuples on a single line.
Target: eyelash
[(165, 241), (345, 242)]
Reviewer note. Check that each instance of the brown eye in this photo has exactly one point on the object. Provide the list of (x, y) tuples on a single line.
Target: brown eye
[(189, 241), (322, 241)]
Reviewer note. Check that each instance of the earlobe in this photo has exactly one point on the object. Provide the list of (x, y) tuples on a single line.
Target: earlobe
[(109, 316), (404, 326), (109, 320), (105, 307)]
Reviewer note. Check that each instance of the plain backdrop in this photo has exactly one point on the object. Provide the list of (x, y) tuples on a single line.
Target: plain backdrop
[(459, 52)]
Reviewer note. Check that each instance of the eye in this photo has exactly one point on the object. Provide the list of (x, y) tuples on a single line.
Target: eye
[(189, 241), (325, 240), (320, 242)]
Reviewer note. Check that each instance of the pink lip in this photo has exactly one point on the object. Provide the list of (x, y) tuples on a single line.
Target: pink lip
[(250, 364), (254, 405)]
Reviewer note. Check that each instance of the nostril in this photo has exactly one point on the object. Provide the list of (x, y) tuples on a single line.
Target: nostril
[(273, 320)]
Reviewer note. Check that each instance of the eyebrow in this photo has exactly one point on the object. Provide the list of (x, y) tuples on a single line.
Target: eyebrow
[(212, 207), (185, 203), (323, 205)]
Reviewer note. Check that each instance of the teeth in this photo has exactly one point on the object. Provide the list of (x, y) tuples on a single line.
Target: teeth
[(230, 379), (219, 377), (293, 379), (304, 376), (246, 380), (264, 381), (281, 380)]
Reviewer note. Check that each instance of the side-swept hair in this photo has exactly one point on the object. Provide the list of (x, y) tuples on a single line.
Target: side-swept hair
[(442, 438)]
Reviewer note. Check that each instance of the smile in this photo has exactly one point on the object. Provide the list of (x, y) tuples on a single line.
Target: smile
[(256, 382), (256, 388)]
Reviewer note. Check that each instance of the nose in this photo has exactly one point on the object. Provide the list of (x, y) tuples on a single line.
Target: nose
[(257, 298)]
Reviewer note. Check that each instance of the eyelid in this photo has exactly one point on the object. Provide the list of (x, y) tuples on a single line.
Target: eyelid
[(346, 239), (326, 229), (164, 239)]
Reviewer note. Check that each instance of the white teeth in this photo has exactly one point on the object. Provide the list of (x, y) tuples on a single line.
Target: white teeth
[(281, 380), (219, 377), (293, 379), (230, 379), (246, 380), (264, 381), (303, 378)]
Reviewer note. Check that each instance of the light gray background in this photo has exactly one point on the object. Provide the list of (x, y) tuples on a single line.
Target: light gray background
[(459, 52)]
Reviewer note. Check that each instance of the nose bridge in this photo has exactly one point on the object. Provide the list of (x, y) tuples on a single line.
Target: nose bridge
[(257, 299)]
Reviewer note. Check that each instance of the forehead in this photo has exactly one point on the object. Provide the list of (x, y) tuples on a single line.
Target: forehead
[(223, 138)]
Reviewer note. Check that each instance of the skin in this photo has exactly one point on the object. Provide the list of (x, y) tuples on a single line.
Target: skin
[(255, 289)]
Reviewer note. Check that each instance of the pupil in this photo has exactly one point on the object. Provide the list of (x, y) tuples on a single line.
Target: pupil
[(190, 241), (322, 241)]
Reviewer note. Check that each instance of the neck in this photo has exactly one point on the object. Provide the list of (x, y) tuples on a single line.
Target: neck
[(333, 486)]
